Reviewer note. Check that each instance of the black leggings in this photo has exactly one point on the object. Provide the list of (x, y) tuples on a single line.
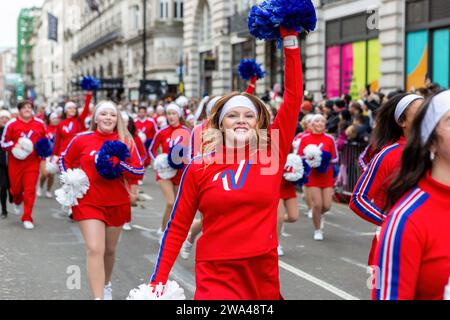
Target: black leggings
[(3, 197)]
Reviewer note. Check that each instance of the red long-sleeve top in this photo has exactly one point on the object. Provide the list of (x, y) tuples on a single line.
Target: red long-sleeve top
[(181, 134), (370, 193), (413, 254), (13, 131), (81, 153), (68, 128), (147, 126), (238, 199)]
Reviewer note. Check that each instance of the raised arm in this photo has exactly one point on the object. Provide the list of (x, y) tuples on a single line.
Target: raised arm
[(286, 119), (85, 112)]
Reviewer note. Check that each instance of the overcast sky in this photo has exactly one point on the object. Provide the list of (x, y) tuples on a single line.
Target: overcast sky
[(9, 12)]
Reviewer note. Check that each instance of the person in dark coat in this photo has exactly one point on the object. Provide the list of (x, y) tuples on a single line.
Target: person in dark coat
[(5, 116)]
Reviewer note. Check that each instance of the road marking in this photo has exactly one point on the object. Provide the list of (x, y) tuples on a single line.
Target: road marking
[(344, 295), (356, 233), (356, 263)]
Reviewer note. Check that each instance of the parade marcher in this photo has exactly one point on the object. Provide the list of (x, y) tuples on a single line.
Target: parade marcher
[(134, 181), (370, 192), (320, 151), (146, 128), (176, 133), (236, 255), (71, 124), (160, 118), (413, 254), (5, 116), (106, 206), (19, 139), (46, 174)]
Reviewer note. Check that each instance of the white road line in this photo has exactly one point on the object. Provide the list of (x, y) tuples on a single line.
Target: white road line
[(344, 295), (142, 228), (356, 233), (356, 263)]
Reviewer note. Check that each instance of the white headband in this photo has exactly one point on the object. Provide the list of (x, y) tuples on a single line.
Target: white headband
[(104, 106), (404, 104), (159, 108), (317, 116), (439, 106), (211, 104), (237, 101), (52, 116), (68, 105), (309, 118), (174, 107), (5, 113)]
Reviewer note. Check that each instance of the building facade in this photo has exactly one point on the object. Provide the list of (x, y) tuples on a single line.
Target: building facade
[(8, 76)]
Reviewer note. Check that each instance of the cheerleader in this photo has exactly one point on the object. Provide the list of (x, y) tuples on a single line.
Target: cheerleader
[(175, 134), (413, 254), (19, 139), (320, 182), (160, 118), (104, 209), (146, 128), (46, 173), (370, 192), (5, 116), (236, 255), (134, 181), (195, 147), (70, 125)]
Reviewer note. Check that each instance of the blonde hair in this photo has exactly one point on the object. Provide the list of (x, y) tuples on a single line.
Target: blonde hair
[(122, 131), (213, 136)]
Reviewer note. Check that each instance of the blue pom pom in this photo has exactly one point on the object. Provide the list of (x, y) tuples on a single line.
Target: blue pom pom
[(265, 19), (326, 158), (103, 164), (306, 173), (248, 68), (90, 83), (44, 148), (176, 156)]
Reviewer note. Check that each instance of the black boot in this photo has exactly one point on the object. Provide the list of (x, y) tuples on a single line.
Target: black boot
[(4, 213)]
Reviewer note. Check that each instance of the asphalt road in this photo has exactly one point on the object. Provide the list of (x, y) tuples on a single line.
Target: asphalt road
[(49, 261)]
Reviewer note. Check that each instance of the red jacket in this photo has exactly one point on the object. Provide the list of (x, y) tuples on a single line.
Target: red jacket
[(413, 254), (15, 129), (370, 193), (238, 199), (147, 126), (81, 153), (165, 136)]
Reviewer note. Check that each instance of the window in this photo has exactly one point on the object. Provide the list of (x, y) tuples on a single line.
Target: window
[(163, 9), (178, 9), (205, 24), (135, 17)]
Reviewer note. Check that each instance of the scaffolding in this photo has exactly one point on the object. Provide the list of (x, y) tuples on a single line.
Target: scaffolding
[(25, 27)]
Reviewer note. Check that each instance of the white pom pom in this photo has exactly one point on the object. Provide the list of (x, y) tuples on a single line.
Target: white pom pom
[(26, 144), (142, 136), (294, 168), (51, 165), (20, 154), (161, 165), (75, 185), (170, 291), (313, 155)]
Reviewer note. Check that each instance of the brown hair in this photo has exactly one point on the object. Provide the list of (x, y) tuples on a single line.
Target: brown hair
[(415, 160), (210, 137), (23, 103)]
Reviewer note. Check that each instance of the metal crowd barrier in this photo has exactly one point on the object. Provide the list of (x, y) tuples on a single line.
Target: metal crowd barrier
[(349, 171)]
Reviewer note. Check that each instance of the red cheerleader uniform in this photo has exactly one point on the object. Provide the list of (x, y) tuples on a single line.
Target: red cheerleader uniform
[(106, 200), (317, 179), (413, 254), (236, 255), (23, 174), (163, 138), (68, 128), (51, 132), (148, 127), (142, 155)]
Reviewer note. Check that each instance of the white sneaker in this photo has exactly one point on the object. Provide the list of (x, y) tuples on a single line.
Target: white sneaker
[(48, 195), (17, 209), (107, 292), (310, 214), (322, 222), (186, 250), (28, 225), (127, 227), (280, 251), (39, 192), (318, 235), (140, 182), (159, 232), (160, 239)]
